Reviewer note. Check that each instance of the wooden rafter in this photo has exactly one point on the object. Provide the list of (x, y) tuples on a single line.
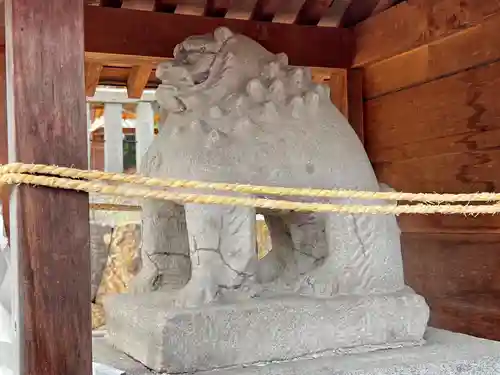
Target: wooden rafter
[(312, 11), (144, 33), (138, 79), (216, 8), (359, 10), (92, 74), (265, 10)]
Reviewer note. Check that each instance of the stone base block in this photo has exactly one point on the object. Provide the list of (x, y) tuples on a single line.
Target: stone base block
[(260, 330), (444, 353)]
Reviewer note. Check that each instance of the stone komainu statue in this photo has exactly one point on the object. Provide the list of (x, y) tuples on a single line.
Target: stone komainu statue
[(240, 114)]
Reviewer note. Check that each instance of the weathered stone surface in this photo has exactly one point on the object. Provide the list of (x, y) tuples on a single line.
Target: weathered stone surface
[(444, 353), (99, 251), (279, 328)]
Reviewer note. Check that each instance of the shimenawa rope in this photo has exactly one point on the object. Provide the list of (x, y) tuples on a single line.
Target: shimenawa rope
[(148, 188)]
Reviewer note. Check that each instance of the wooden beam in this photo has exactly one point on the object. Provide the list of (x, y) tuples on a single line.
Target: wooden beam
[(138, 79), (312, 11), (134, 32), (92, 75), (414, 23), (463, 50), (50, 228), (111, 3), (346, 93)]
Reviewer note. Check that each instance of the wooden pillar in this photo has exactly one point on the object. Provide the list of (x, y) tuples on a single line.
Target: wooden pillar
[(346, 92), (144, 130), (4, 154), (113, 137), (50, 227)]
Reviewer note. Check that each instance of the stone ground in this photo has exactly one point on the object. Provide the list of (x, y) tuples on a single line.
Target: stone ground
[(445, 353)]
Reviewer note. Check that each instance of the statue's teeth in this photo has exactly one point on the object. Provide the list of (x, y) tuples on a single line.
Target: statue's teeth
[(273, 69), (256, 90), (298, 77), (277, 90)]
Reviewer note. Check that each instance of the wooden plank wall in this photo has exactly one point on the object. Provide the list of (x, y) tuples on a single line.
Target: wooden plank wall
[(431, 72)]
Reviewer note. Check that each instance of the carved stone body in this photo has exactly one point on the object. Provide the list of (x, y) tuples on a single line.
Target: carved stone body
[(239, 114)]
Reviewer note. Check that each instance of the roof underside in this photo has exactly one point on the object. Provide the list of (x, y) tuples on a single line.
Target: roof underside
[(137, 75)]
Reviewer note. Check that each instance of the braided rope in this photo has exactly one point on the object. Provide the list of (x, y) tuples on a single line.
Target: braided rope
[(94, 175), (17, 174)]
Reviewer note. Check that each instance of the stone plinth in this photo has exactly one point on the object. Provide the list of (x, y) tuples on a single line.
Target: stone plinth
[(444, 353), (256, 330)]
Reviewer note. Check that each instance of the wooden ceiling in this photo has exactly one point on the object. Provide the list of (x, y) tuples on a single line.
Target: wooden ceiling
[(344, 13), (139, 74)]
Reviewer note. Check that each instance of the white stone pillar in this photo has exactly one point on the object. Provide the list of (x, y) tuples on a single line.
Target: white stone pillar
[(144, 130), (113, 137), (89, 143)]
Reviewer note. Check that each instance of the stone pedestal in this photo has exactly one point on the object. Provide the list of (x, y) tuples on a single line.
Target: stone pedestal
[(260, 330), (444, 353)]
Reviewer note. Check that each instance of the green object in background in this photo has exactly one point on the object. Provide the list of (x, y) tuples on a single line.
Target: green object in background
[(129, 153)]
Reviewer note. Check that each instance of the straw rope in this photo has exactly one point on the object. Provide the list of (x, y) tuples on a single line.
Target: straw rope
[(92, 182)]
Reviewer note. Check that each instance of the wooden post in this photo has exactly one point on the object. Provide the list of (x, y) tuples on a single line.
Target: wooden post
[(144, 130), (346, 92), (113, 137), (50, 227)]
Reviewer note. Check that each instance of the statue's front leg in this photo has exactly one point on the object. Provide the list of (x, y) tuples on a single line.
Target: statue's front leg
[(222, 250), (164, 248)]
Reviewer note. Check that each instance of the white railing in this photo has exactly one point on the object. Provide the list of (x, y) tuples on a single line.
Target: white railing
[(113, 100)]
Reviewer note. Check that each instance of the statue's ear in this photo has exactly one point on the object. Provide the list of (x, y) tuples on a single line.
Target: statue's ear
[(221, 34)]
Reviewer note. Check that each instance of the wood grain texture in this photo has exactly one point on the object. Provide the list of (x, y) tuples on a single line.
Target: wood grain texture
[(346, 92), (474, 313), (449, 224), (134, 32), (436, 265), (451, 115), (118, 76), (138, 80), (47, 116), (92, 74), (415, 23), (355, 111), (463, 50), (338, 91)]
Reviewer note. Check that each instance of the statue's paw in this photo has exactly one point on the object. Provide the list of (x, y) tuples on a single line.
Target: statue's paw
[(143, 282), (318, 284), (194, 295)]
